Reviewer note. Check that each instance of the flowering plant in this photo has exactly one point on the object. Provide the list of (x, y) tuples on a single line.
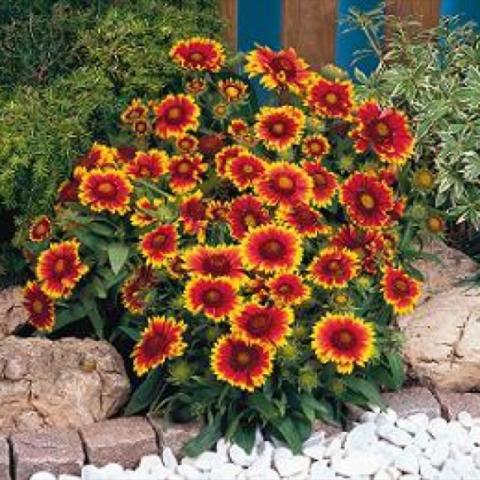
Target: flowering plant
[(248, 259)]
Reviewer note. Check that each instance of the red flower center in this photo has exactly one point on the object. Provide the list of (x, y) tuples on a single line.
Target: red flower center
[(159, 240), (174, 113), (217, 264), (278, 128), (212, 297), (382, 129), (305, 217), (250, 220), (140, 126), (343, 339), (107, 189), (154, 346), (319, 180), (145, 172), (335, 268), (285, 289), (197, 57), (285, 183), (243, 358), (331, 98), (41, 229), (283, 67), (400, 286), (367, 201), (247, 168), (60, 266), (184, 167), (38, 306), (195, 211), (315, 147), (232, 91), (272, 249), (259, 323)]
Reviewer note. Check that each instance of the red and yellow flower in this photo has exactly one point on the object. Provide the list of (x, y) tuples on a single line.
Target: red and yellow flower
[(99, 156), (233, 90), (325, 183), (367, 200), (187, 144), (39, 306), (279, 127), (198, 54), (175, 115), (159, 244), (148, 165), (345, 340), (135, 290), (334, 267), (315, 146), (185, 172), (288, 289), (211, 143), (40, 229), (304, 219), (333, 99), (238, 129), (400, 290), (217, 211), (284, 184), (246, 212), (59, 268), (283, 69), (143, 216), (216, 298), (135, 111), (106, 190), (219, 261), (385, 131), (193, 215), (271, 248), (196, 86), (268, 324), (161, 340), (242, 363), (244, 169), (225, 155)]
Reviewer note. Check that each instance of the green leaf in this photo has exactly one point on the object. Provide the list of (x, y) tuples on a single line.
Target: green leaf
[(205, 439), (264, 406), (145, 394), (397, 369), (99, 287), (96, 319), (117, 254), (245, 437), (69, 315), (286, 427), (365, 389)]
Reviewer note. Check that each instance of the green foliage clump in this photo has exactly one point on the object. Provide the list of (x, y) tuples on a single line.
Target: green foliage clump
[(68, 68), (435, 76)]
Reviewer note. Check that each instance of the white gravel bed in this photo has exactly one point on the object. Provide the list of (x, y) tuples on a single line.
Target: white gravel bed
[(380, 447)]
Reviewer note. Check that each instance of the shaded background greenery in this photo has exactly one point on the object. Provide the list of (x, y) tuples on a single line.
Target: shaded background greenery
[(67, 69)]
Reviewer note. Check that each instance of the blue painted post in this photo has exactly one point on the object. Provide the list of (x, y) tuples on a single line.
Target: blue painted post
[(347, 43)]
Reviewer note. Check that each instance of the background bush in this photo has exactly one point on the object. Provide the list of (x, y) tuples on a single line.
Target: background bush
[(68, 68)]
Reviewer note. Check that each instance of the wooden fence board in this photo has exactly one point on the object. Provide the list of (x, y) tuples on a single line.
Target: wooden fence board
[(310, 27), (427, 11), (228, 10)]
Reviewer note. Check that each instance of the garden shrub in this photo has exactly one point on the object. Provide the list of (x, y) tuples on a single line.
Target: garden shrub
[(249, 260), (434, 76)]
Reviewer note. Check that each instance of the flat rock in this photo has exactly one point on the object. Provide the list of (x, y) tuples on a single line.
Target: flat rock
[(453, 403), (4, 459), (174, 435), (328, 429), (413, 400), (55, 451), (62, 384), (123, 440), (12, 312)]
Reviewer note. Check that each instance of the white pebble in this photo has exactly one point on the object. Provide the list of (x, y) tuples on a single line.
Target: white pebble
[(289, 465), (43, 476), (208, 460), (320, 471), (169, 459), (357, 463), (394, 435), (191, 473), (407, 462), (68, 477), (361, 436), (240, 457), (438, 427), (227, 471), (465, 419)]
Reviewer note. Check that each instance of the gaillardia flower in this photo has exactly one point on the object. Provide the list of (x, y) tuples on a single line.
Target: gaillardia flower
[(135, 111), (325, 183), (315, 146), (345, 340), (423, 179), (162, 339), (40, 229), (225, 155), (304, 219), (106, 190), (334, 267), (244, 169), (270, 248), (288, 289), (159, 244), (333, 99), (367, 200), (246, 212), (283, 69), (193, 215), (187, 143), (143, 216), (400, 290), (233, 90), (59, 268), (279, 127), (135, 289), (268, 324), (216, 298), (185, 171), (148, 165), (175, 115), (39, 306), (385, 131), (219, 261), (198, 54), (284, 184), (242, 363)]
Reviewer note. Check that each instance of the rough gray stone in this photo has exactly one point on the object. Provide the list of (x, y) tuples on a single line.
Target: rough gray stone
[(55, 451), (413, 400), (4, 459), (453, 403), (12, 313), (122, 440)]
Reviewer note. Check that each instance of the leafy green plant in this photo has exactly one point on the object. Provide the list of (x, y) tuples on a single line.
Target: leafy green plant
[(434, 76)]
